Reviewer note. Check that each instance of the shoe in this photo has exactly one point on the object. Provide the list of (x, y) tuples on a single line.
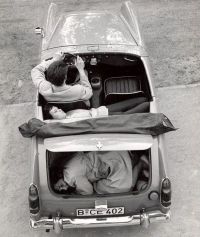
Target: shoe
[(141, 185), (145, 161), (145, 173), (135, 173)]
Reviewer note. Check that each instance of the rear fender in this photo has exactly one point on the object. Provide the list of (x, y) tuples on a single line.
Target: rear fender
[(162, 156), (34, 162), (34, 195), (165, 184)]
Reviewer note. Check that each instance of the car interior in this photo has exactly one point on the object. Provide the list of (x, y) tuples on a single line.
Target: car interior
[(114, 77), (56, 162)]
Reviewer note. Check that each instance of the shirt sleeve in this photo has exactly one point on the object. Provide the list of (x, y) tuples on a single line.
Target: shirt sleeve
[(83, 186), (104, 186), (38, 76), (86, 92)]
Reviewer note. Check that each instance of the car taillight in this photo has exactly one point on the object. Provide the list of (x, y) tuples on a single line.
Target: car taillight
[(34, 204), (166, 192)]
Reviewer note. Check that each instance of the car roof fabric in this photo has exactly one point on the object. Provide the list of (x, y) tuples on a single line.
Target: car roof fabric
[(139, 123)]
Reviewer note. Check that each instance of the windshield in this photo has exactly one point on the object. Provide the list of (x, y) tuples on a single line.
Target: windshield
[(90, 28)]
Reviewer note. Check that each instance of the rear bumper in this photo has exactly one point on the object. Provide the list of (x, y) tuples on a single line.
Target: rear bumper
[(58, 224)]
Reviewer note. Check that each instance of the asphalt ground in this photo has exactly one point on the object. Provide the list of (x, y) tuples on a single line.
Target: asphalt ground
[(171, 32)]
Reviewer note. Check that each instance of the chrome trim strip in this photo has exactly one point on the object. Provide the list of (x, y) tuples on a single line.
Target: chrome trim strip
[(58, 224)]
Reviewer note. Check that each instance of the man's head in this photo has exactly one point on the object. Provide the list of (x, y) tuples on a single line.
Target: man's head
[(57, 73), (61, 185)]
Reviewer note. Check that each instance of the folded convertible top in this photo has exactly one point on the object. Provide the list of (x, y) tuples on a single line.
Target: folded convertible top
[(139, 123)]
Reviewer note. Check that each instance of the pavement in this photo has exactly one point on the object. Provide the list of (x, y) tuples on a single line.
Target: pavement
[(179, 103)]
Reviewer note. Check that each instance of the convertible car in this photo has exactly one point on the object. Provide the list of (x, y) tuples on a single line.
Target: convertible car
[(117, 63)]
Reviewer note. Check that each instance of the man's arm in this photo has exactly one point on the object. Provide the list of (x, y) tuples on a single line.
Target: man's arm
[(83, 186), (38, 76), (38, 73), (87, 89)]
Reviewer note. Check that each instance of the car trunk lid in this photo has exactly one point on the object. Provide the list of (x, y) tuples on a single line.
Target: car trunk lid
[(96, 142)]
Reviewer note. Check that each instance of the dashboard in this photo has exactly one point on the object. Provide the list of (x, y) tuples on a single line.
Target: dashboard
[(103, 58)]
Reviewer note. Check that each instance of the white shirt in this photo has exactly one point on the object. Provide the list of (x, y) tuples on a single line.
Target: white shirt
[(80, 91)]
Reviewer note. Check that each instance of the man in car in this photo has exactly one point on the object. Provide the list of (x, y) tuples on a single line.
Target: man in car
[(54, 86)]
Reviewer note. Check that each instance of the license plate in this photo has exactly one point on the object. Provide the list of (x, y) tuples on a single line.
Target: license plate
[(100, 211)]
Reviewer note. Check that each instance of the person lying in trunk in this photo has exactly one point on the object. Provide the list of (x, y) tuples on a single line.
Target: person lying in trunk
[(130, 106), (55, 86), (101, 172)]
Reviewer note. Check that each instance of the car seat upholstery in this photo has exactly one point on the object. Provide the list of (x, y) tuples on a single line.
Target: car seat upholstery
[(122, 88)]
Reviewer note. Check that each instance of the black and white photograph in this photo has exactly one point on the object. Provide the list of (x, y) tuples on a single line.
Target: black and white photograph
[(100, 118)]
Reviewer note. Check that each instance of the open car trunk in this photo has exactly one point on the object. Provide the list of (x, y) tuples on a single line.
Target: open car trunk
[(60, 151)]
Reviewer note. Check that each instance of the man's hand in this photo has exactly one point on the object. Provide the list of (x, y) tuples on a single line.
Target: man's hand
[(61, 185), (59, 56), (79, 63)]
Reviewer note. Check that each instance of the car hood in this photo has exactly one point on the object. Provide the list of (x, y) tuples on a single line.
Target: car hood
[(89, 29)]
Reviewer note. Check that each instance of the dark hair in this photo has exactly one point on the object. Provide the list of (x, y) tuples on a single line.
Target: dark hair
[(56, 73)]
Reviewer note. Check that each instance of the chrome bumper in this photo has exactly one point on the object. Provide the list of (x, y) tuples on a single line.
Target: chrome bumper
[(58, 224)]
